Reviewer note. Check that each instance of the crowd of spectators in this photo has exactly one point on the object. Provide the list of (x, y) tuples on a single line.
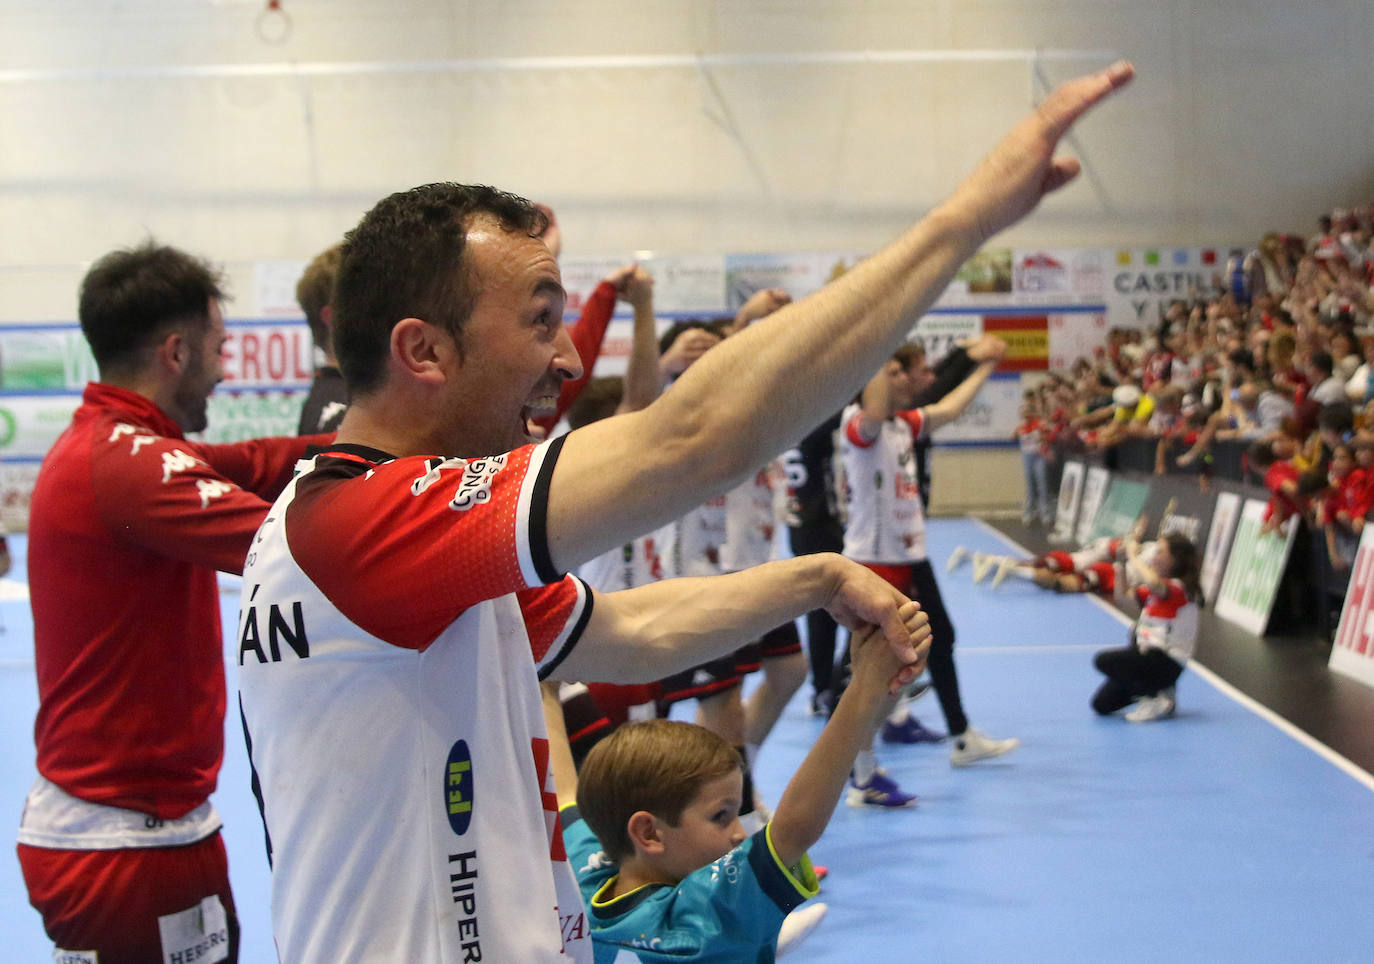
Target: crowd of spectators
[(1276, 359)]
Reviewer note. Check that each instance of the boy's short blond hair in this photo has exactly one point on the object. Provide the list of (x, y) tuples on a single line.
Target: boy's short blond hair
[(658, 766)]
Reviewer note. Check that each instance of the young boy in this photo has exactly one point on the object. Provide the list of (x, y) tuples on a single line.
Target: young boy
[(666, 870)]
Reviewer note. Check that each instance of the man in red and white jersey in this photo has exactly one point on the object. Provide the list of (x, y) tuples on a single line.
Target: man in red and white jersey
[(407, 591), (886, 521), (119, 845)]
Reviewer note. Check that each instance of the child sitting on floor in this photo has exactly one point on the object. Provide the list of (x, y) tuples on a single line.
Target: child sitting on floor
[(1163, 637), (665, 868)]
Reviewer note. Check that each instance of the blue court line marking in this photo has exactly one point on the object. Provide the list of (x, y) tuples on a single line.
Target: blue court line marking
[(1341, 763)]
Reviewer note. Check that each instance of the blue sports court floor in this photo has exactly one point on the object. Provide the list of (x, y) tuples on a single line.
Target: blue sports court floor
[(1220, 835)]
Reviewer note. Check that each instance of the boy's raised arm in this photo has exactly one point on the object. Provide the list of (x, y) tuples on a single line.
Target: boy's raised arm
[(810, 798), (560, 750)]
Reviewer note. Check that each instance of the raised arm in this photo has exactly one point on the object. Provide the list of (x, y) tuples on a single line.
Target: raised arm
[(952, 405), (875, 401), (809, 801), (1156, 583), (643, 383), (560, 750), (646, 633), (755, 394)]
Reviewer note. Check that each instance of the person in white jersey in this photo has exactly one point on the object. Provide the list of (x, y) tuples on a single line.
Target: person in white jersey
[(406, 592), (885, 529)]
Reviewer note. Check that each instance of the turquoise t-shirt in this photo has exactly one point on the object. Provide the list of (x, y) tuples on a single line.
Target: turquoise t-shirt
[(729, 910)]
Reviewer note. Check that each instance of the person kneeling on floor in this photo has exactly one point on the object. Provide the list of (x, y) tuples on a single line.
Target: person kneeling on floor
[(1163, 637)]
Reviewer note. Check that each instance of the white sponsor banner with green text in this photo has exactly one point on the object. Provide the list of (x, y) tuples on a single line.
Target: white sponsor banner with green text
[(1254, 570)]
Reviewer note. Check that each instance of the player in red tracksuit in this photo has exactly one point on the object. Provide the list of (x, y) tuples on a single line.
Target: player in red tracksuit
[(119, 845)]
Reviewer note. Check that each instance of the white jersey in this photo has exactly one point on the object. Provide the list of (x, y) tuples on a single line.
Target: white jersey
[(695, 541), (751, 514), (1168, 622), (886, 520), (636, 563), (396, 617)]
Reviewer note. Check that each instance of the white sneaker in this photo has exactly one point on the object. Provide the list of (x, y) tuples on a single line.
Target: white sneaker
[(972, 746), (1157, 707), (798, 925), (1003, 567), (956, 558), (982, 565)]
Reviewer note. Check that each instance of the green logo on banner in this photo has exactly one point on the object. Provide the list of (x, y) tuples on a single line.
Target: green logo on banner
[(8, 427)]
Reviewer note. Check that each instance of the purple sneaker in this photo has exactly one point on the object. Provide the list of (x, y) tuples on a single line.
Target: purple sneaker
[(909, 730), (880, 792)]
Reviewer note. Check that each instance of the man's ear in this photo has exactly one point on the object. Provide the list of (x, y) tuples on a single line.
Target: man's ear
[(173, 352), (327, 317), (424, 351), (643, 832)]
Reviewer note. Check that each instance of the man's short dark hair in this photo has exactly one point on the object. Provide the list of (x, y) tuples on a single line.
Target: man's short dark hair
[(404, 260), (715, 326), (315, 291), (132, 296), (910, 353)]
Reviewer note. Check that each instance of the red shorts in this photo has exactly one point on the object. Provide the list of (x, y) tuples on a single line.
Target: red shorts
[(1058, 561), (1100, 577), (724, 674), (896, 576), (777, 642), (111, 901)]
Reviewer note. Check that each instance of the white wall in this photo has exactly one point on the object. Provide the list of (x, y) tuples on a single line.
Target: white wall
[(171, 117)]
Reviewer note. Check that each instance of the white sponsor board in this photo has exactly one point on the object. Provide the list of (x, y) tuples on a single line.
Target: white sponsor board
[(29, 424), (1094, 491), (688, 284), (990, 417), (940, 333), (1352, 653), (1144, 280), (798, 274), (582, 275), (1076, 336), (1224, 517), (274, 288), (1070, 494), (1254, 570), (279, 354)]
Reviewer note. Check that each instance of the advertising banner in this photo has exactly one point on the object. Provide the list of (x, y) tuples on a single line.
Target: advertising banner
[(1254, 570), (1352, 654), (800, 274), (990, 417), (1064, 274), (44, 358), (1224, 517), (1027, 338), (580, 278), (1075, 336), (274, 288), (1144, 281), (1094, 490), (236, 416), (29, 424), (262, 353), (1120, 509), (1176, 504), (687, 284), (1070, 493)]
